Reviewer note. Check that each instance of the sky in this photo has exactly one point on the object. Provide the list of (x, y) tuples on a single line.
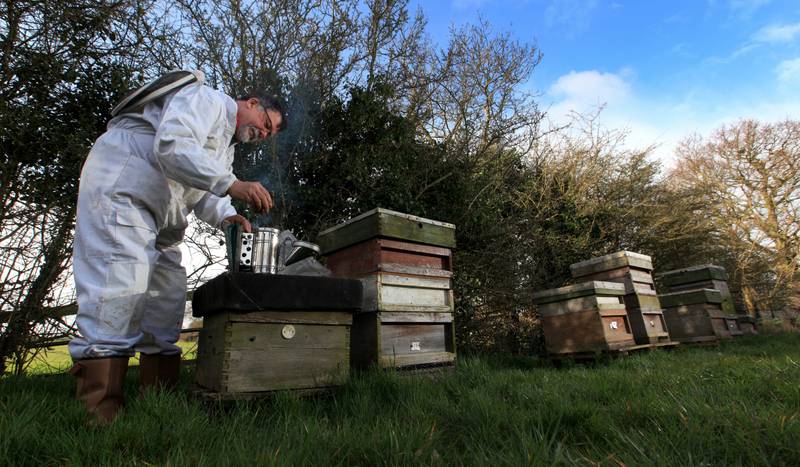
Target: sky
[(662, 69)]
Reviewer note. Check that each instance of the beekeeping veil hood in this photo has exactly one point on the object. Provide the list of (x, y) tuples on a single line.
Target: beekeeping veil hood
[(167, 83)]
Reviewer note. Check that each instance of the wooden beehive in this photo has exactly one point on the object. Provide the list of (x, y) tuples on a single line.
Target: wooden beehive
[(269, 351), (626, 267), (586, 317), (633, 270), (695, 316), (402, 340), (264, 332), (405, 265), (705, 276)]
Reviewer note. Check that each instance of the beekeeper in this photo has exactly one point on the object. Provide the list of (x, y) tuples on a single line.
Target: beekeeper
[(153, 166)]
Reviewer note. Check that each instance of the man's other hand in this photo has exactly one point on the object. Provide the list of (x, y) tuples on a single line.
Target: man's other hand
[(237, 219), (252, 193)]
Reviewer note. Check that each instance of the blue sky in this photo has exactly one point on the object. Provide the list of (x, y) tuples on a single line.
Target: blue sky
[(662, 68)]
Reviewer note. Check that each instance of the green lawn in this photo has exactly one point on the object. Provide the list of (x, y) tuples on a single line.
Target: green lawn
[(57, 359), (739, 404)]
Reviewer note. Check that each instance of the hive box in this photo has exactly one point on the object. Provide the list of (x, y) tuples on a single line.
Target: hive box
[(264, 332), (402, 340), (388, 291), (704, 276), (586, 317), (633, 270), (382, 254), (696, 316), (405, 265)]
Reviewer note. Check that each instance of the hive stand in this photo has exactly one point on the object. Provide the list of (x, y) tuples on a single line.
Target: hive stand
[(696, 316), (585, 318), (405, 265), (633, 270), (264, 333)]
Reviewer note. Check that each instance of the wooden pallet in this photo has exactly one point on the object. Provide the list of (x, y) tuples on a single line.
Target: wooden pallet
[(705, 341), (582, 357), (660, 345)]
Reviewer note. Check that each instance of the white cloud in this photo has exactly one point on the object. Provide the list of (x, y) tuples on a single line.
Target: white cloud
[(788, 71), (665, 120), (772, 34), (580, 91), (776, 33)]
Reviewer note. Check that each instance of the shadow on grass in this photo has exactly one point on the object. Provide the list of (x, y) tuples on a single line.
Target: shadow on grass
[(508, 361)]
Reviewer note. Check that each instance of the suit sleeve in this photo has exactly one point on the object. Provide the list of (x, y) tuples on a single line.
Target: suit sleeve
[(186, 123), (212, 209)]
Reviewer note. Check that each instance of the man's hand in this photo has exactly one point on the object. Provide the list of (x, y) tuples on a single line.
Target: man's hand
[(237, 219), (252, 193)]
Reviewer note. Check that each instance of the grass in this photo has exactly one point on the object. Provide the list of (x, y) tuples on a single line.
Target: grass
[(739, 404)]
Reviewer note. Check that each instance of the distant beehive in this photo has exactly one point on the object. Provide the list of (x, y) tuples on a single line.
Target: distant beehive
[(641, 301), (696, 316), (704, 276), (405, 265), (586, 317)]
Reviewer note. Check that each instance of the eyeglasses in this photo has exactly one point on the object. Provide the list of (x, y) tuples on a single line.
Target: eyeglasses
[(267, 120)]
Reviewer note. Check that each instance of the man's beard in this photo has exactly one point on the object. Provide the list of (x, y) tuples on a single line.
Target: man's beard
[(246, 134)]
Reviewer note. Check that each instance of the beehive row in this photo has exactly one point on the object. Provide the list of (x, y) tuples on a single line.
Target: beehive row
[(578, 318)]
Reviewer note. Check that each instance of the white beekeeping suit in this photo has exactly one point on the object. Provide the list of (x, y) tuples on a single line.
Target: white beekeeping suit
[(141, 179)]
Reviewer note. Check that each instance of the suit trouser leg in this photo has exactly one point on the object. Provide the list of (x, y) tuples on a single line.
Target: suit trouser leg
[(162, 317)]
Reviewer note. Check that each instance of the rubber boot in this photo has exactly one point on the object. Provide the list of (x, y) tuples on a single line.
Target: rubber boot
[(100, 387), (159, 371)]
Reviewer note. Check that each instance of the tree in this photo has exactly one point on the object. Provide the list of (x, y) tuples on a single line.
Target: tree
[(749, 176), (63, 66)]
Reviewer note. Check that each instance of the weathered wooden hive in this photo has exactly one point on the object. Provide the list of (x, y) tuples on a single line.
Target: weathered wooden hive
[(696, 316), (266, 332), (704, 276), (405, 265), (586, 317), (634, 271)]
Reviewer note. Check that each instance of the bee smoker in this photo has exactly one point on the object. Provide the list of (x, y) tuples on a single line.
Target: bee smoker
[(262, 252)]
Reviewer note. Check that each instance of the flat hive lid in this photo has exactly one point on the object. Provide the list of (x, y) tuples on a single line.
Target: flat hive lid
[(247, 291), (611, 261), (583, 289), (690, 297), (692, 274), (384, 223)]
